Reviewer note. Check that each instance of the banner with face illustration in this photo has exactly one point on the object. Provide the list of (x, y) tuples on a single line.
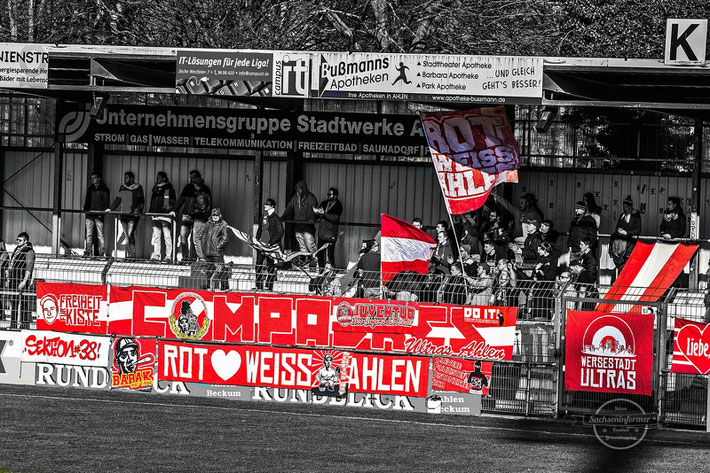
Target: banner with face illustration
[(72, 307), (133, 363), (610, 353)]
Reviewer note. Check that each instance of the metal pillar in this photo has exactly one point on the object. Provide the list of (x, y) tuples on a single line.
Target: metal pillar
[(696, 205), (258, 188), (57, 198)]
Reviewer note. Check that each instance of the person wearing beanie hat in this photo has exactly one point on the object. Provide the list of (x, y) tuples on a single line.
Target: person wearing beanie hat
[(624, 237), (583, 226)]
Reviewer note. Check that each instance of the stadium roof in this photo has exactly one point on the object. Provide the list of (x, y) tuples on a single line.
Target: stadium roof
[(76, 71)]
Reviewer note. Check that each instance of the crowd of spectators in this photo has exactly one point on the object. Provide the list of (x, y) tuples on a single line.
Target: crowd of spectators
[(513, 256)]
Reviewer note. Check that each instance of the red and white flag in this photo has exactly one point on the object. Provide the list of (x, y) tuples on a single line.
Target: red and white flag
[(404, 248), (648, 273), (691, 347), (473, 151)]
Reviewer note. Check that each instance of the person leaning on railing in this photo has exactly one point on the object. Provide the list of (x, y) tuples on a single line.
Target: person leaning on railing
[(19, 277)]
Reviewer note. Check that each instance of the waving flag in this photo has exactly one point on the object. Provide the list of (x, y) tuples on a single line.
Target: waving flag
[(404, 248), (648, 273), (473, 151)]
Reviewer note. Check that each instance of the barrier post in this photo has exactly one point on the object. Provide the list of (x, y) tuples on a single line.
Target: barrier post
[(559, 311)]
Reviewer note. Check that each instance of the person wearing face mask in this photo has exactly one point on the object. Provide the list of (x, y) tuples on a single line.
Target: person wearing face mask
[(583, 226), (270, 232), (213, 241)]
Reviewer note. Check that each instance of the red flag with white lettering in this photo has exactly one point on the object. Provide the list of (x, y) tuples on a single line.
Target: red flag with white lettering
[(473, 151)]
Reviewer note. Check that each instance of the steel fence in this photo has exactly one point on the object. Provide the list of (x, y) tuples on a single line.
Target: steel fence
[(532, 383)]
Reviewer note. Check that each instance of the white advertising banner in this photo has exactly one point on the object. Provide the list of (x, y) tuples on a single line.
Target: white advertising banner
[(12, 371), (65, 349), (434, 77), (23, 66)]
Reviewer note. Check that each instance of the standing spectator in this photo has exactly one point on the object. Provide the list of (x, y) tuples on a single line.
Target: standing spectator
[(443, 253), (4, 263), (592, 208), (674, 220), (19, 278), (214, 238), (481, 287), (186, 202), (162, 200), (199, 215), (97, 198), (532, 242), (300, 208), (270, 232), (327, 218), (130, 202), (586, 269), (583, 226), (453, 291), (443, 226), (492, 253), (623, 239), (369, 270), (552, 236), (488, 228), (418, 222), (542, 295)]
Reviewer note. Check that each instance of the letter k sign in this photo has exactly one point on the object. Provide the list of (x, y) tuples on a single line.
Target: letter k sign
[(686, 42)]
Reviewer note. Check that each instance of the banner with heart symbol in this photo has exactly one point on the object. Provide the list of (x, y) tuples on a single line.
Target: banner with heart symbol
[(691, 347), (325, 371)]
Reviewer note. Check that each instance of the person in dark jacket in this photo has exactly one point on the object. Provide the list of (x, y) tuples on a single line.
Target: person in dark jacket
[(545, 272), (300, 208), (552, 236), (162, 200), (186, 202), (214, 239), (130, 202), (270, 232), (200, 215), (19, 280), (674, 220), (327, 218), (582, 226), (98, 199), (587, 269), (627, 229), (439, 263)]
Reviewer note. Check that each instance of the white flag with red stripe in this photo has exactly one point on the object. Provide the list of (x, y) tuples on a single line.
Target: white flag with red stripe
[(404, 248), (648, 273)]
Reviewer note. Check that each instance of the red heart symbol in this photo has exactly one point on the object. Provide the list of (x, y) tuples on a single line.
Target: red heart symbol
[(691, 338)]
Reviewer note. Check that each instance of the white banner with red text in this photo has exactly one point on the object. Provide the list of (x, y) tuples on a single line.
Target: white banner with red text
[(65, 349)]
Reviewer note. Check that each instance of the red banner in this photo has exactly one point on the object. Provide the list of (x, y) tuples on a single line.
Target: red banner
[(325, 372), (296, 320), (691, 347), (473, 151), (72, 307), (133, 363), (465, 376), (609, 353)]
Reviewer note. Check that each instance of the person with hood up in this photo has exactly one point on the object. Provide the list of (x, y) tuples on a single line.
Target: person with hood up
[(97, 199), (186, 202), (162, 200), (300, 209), (214, 239), (130, 202), (627, 228)]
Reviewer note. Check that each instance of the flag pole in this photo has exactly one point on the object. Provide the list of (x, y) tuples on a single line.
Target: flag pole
[(448, 212)]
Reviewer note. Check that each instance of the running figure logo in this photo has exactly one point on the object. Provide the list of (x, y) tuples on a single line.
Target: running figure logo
[(402, 74)]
